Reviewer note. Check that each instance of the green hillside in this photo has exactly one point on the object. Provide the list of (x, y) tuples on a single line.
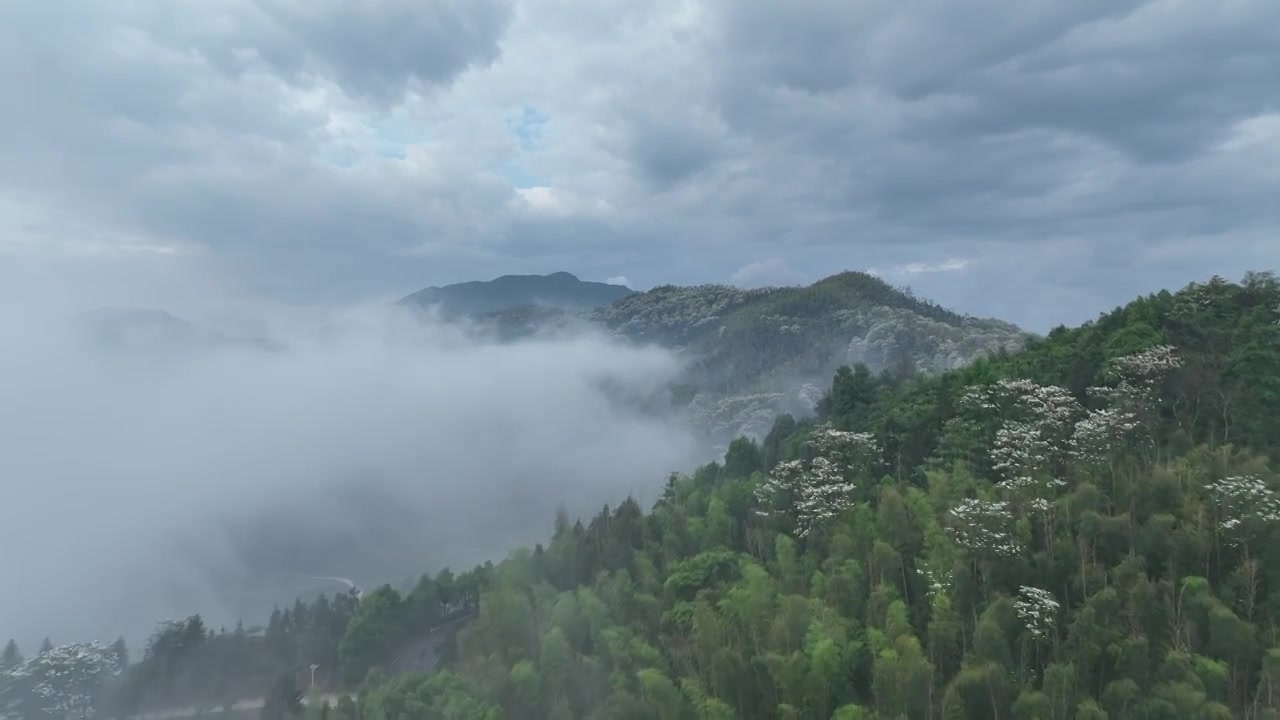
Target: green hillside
[(1086, 528), (999, 541), (559, 290), (756, 354), (753, 340)]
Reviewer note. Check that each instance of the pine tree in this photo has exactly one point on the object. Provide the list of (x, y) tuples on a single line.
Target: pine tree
[(121, 652), (11, 657)]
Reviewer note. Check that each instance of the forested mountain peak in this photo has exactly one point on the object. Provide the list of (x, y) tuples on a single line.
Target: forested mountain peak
[(560, 290), (756, 353)]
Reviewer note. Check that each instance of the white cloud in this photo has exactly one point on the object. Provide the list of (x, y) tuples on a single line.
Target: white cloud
[(772, 271), (174, 479), (946, 266), (319, 154)]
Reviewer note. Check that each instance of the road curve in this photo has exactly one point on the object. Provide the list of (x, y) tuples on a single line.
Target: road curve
[(332, 578)]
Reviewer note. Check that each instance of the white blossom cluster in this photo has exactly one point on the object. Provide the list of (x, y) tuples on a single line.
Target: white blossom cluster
[(938, 581), (1049, 406), (62, 681), (1053, 407), (977, 397), (1037, 609), (1105, 431), (853, 450), (1123, 395), (1147, 367), (1102, 433), (1037, 423), (782, 488), (1020, 449), (822, 488), (825, 494), (984, 527), (1245, 503)]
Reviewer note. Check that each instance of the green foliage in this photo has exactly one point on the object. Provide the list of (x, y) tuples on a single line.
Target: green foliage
[(1054, 533), (519, 295), (976, 581)]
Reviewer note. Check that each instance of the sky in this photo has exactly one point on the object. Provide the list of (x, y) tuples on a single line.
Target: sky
[(1037, 160)]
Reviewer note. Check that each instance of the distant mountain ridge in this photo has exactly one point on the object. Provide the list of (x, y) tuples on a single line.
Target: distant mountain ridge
[(559, 290), (755, 353), (133, 328), (751, 354)]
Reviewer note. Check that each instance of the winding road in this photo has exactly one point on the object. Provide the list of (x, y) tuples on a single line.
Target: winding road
[(350, 585)]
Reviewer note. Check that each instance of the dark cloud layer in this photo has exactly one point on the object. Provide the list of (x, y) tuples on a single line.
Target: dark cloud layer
[(379, 50), (1087, 150)]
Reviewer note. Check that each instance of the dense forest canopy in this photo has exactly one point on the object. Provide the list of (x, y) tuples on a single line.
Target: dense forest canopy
[(1086, 528)]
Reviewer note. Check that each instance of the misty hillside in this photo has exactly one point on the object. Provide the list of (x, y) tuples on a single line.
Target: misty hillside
[(758, 339), (560, 290), (757, 353), (147, 329), (1087, 524)]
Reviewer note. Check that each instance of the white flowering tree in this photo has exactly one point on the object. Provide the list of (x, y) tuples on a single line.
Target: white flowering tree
[(1099, 437), (1038, 611), (983, 528), (1032, 441), (1123, 422), (62, 681), (780, 492), (822, 488), (1033, 428), (1246, 506), (1144, 370), (851, 451)]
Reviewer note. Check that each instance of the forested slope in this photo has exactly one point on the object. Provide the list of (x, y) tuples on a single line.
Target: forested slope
[(759, 340), (1086, 528), (559, 290)]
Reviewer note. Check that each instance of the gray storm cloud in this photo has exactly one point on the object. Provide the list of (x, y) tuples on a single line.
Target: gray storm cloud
[(156, 480)]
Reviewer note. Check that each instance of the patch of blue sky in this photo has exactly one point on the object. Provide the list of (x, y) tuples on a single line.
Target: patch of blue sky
[(527, 125), (514, 172), (391, 136)]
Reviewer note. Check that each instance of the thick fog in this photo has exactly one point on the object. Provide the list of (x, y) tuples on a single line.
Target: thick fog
[(169, 470)]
